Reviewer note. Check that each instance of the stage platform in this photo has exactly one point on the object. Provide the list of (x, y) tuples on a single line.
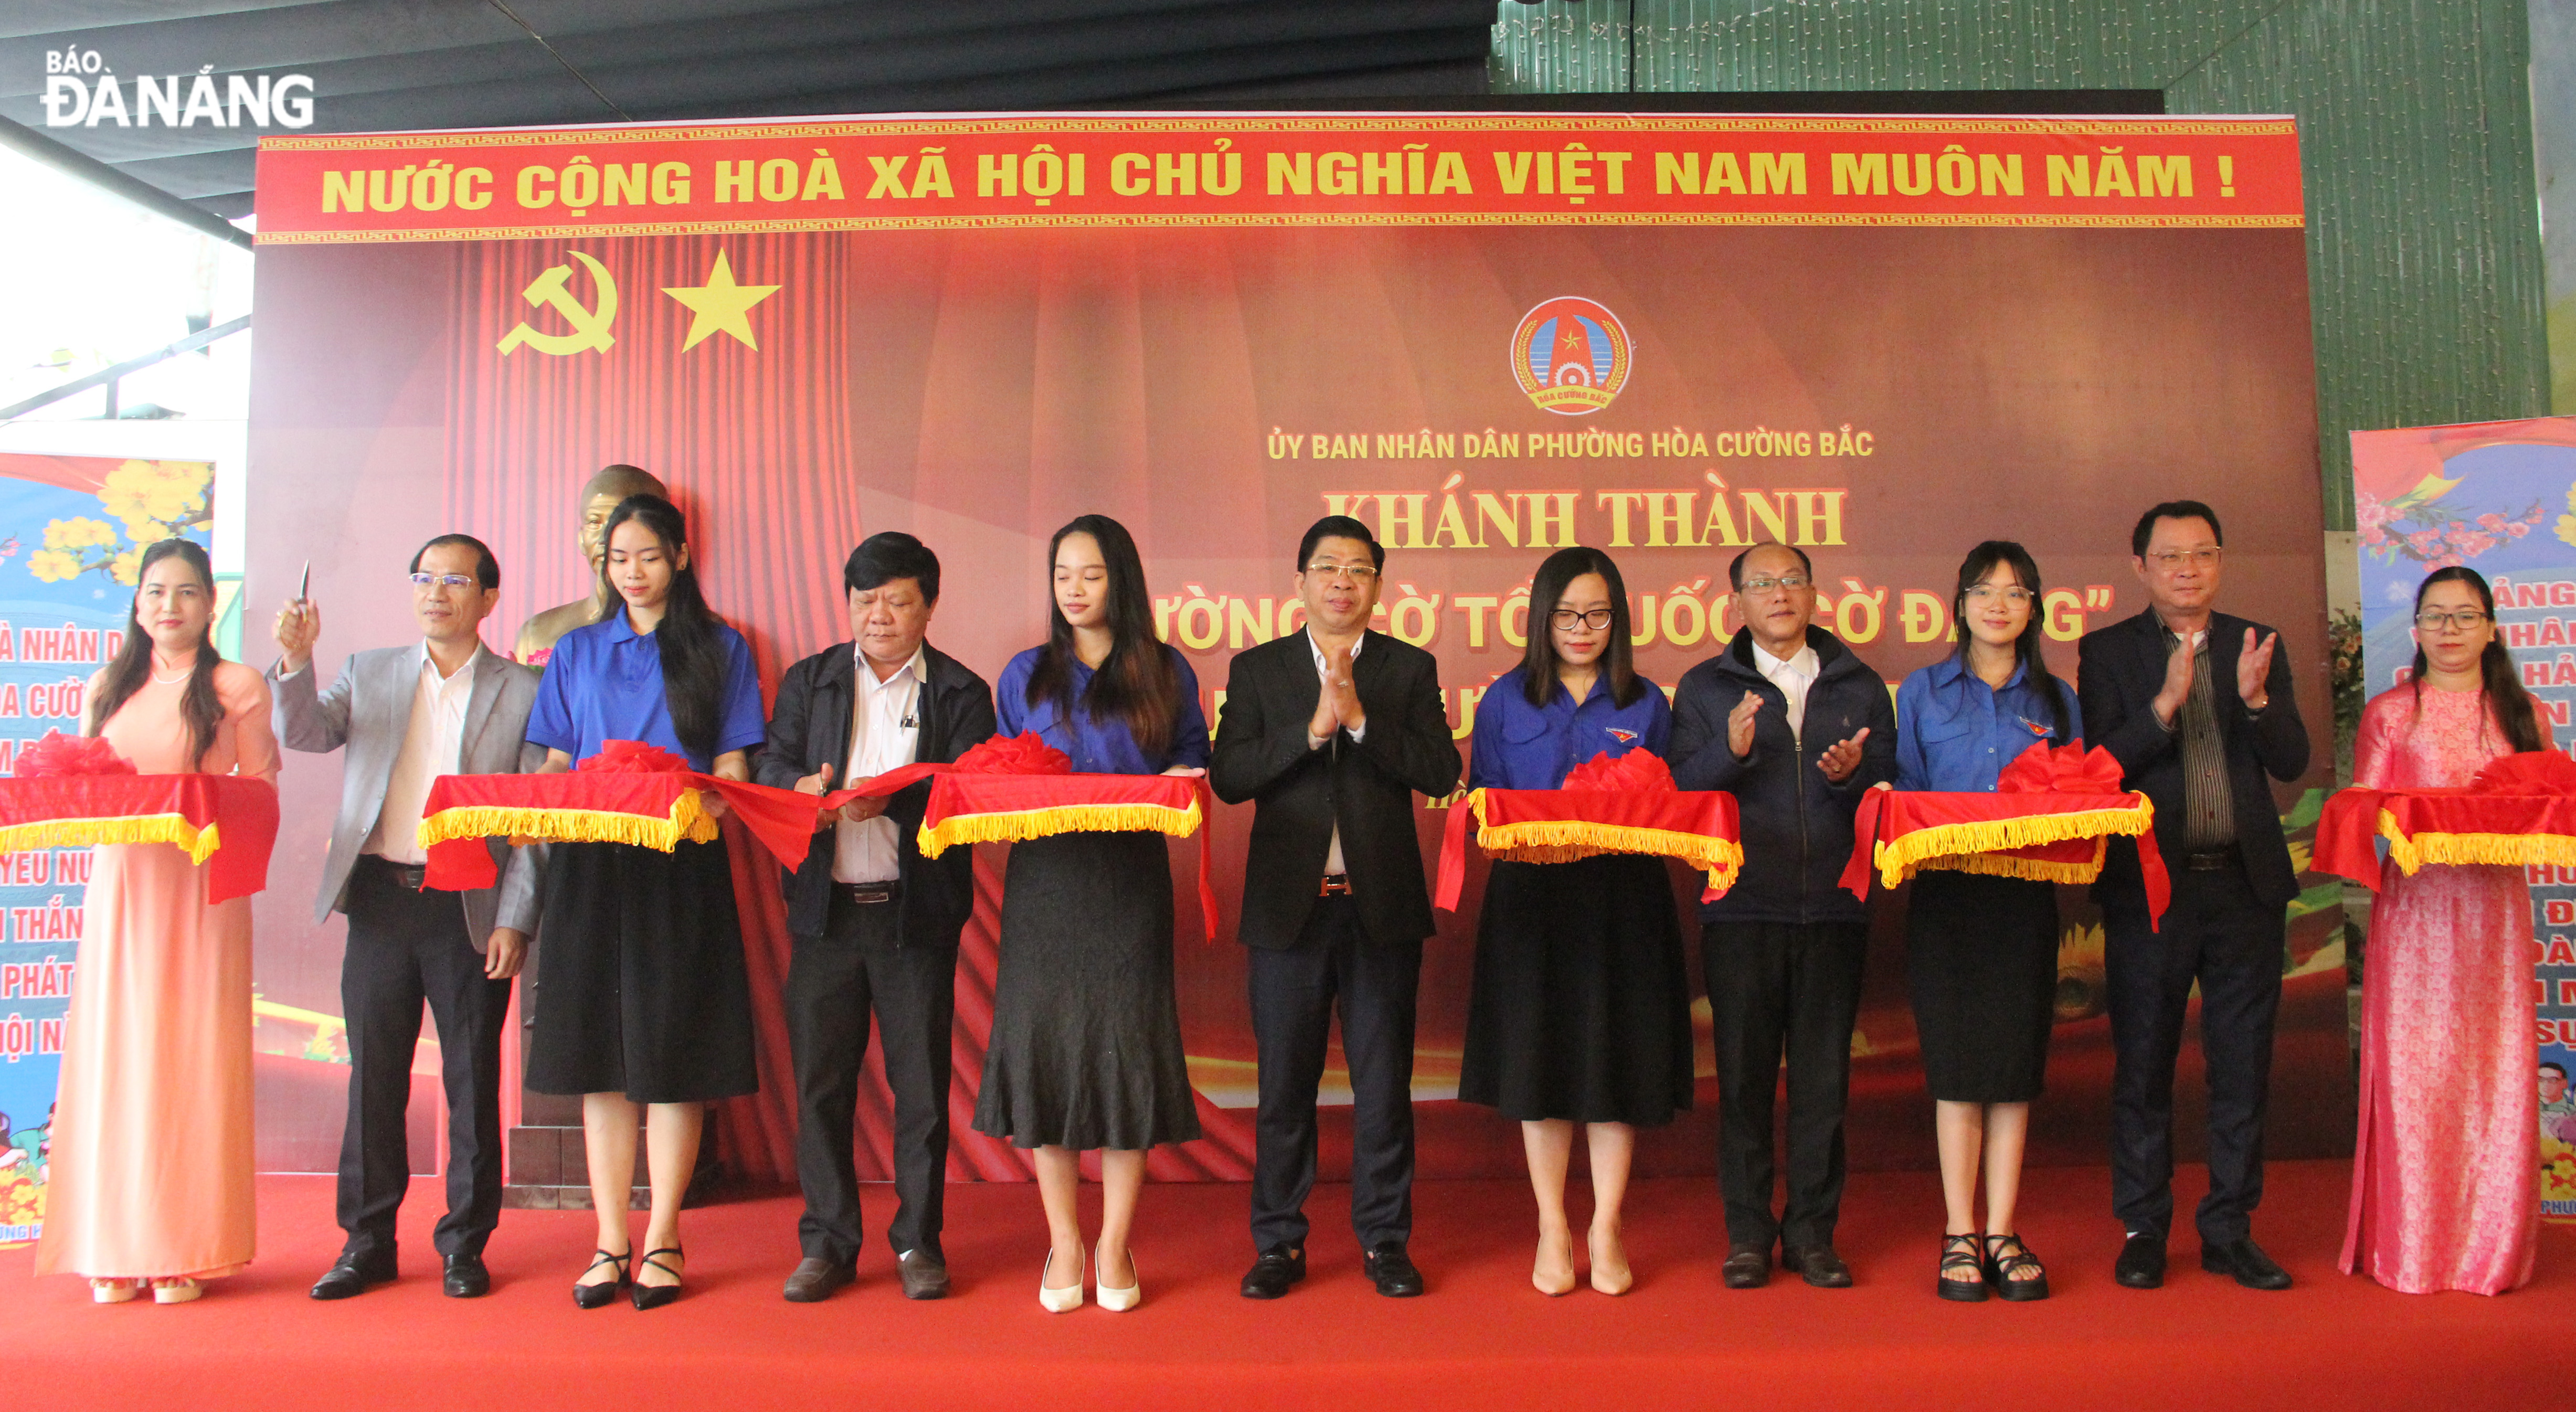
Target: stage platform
[(1482, 1338)]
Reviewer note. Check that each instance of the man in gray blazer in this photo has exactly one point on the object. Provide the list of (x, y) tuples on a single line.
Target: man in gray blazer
[(407, 716)]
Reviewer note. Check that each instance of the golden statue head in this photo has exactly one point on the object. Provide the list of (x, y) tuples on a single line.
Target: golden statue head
[(612, 484)]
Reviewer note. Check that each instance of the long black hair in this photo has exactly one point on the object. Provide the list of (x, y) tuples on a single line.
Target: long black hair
[(1980, 562), (693, 656), (1547, 589), (1137, 683), (2497, 676), (198, 704)]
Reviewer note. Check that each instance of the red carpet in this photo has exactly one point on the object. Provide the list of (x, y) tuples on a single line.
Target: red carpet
[(1482, 1336)]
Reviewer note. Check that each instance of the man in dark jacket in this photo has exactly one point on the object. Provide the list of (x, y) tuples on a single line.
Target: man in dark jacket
[(1797, 728), (1333, 730), (2197, 708), (875, 923)]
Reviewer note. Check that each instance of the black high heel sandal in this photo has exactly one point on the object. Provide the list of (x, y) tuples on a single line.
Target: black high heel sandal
[(1959, 1252), (596, 1296), (655, 1296), (2001, 1267)]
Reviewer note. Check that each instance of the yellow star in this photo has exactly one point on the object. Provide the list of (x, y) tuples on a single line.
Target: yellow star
[(722, 306)]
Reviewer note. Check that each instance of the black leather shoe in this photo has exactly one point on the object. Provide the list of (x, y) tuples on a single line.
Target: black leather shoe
[(1393, 1270), (1818, 1265), (2142, 1263), (466, 1277), (2245, 1261), (925, 1274), (353, 1274), (1748, 1267), (815, 1278), (1272, 1274)]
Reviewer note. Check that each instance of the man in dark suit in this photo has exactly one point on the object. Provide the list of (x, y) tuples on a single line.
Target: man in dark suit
[(2197, 708), (1333, 730), (875, 924), (446, 706)]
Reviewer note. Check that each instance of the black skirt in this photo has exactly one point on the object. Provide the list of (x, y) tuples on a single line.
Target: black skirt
[(1981, 963), (1581, 1002), (1086, 1044), (640, 987)]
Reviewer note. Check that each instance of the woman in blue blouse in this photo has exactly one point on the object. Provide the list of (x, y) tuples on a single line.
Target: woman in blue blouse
[(1981, 952), (641, 995), (1086, 1044), (1580, 1008)]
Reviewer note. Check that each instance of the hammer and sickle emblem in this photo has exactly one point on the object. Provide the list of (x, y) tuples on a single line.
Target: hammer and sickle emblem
[(592, 325)]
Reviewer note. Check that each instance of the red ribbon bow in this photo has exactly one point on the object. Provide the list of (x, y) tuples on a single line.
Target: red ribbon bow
[(1639, 771), (1024, 754), (59, 755), (2064, 769), (633, 757), (2529, 772)]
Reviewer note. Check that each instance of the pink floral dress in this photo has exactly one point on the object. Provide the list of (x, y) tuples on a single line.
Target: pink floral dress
[(2445, 1166)]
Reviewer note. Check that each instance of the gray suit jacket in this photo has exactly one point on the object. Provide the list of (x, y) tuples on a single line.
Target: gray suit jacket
[(368, 709)]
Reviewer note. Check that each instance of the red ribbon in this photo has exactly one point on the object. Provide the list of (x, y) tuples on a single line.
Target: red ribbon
[(633, 757), (59, 756), (2042, 769), (1634, 771)]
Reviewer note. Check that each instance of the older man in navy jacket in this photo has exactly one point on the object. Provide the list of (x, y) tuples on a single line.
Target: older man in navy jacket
[(1797, 728)]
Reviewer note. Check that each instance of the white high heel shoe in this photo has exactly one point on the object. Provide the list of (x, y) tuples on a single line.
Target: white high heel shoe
[(114, 1291), (1119, 1301), (176, 1290), (1059, 1301)]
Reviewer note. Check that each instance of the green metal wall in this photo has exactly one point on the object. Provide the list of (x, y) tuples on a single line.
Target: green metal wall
[(2415, 130)]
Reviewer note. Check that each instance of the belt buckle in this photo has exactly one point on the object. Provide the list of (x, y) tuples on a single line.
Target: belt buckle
[(866, 894), (1336, 885)]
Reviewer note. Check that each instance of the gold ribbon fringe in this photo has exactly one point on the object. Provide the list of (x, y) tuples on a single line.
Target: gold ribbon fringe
[(1017, 825), (199, 844)]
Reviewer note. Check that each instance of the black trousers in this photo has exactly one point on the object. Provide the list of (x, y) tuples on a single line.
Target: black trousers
[(1295, 993), (1775, 988), (406, 947), (2217, 933), (834, 981)]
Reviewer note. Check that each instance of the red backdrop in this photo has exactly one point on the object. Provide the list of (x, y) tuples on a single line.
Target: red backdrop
[(979, 386)]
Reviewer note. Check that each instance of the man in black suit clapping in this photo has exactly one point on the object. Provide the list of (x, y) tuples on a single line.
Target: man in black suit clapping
[(1332, 730), (2197, 708)]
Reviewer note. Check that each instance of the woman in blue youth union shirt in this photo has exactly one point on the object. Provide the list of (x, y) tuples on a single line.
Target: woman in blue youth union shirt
[(1579, 1010), (1981, 952), (642, 998)]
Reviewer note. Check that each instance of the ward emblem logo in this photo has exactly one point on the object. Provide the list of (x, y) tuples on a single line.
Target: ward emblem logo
[(1572, 356)]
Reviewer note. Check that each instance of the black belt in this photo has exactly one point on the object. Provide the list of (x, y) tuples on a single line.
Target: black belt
[(1335, 885), (2212, 860), (409, 875), (863, 894)]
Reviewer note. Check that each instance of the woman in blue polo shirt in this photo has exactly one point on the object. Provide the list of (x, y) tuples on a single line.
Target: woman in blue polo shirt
[(1981, 952), (641, 997), (1580, 1008), (1085, 1051)]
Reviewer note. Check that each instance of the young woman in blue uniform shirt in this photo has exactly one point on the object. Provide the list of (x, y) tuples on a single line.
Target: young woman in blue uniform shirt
[(1086, 1041), (642, 999), (1580, 1007), (1981, 952)]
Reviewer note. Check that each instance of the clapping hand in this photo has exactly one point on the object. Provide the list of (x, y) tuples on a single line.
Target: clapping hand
[(1842, 757), (1739, 725), (1337, 705), (2177, 687), (2252, 666)]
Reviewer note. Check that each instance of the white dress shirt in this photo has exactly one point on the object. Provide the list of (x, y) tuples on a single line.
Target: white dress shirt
[(885, 731), (432, 744), (1793, 677), (1323, 668)]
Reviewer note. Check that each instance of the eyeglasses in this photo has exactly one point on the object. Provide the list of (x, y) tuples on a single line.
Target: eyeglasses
[(1787, 581), (1987, 593), (442, 580), (1357, 573), (2465, 620), (1569, 620), (2173, 559)]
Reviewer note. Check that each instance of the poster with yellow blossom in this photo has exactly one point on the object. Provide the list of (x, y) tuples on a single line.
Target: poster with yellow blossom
[(72, 530)]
